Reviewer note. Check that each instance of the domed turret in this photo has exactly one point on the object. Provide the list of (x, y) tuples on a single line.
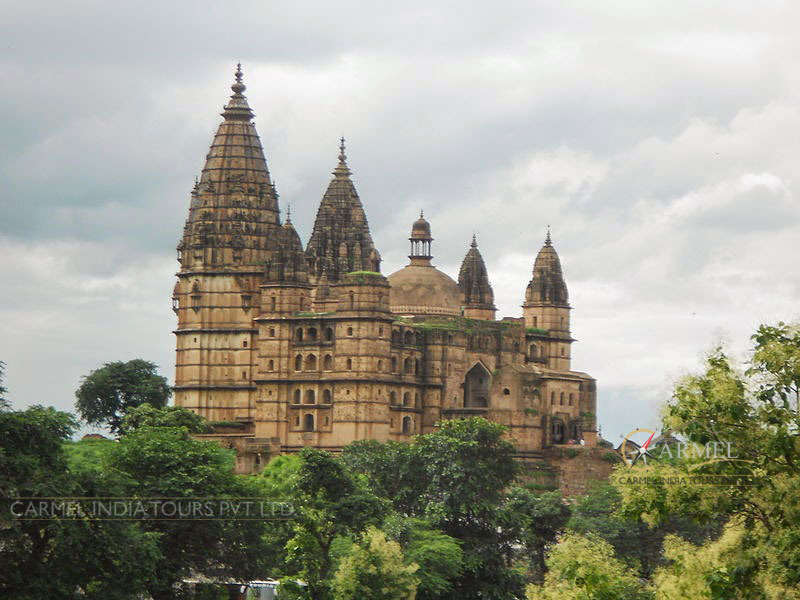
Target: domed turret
[(420, 288)]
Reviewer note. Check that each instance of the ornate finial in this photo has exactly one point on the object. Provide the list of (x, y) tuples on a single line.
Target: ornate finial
[(238, 87), (474, 243), (288, 214), (342, 155), (421, 214), (548, 241)]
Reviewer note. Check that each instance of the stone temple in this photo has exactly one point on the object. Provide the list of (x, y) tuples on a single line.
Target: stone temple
[(282, 345)]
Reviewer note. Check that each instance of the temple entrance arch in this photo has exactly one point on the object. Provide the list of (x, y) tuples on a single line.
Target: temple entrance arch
[(476, 387)]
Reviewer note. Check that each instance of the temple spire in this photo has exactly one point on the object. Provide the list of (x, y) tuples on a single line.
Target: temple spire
[(477, 296)]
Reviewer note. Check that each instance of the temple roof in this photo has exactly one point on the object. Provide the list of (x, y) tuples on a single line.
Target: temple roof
[(234, 203), (473, 280), (340, 241), (287, 263), (547, 284)]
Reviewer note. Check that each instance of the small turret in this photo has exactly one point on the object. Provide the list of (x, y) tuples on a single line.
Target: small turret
[(286, 288), (477, 296), (547, 308)]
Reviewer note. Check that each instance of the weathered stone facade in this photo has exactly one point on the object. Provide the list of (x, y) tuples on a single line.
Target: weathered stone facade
[(282, 346)]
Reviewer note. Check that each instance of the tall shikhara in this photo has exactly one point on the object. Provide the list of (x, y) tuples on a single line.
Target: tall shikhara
[(232, 228), (340, 242)]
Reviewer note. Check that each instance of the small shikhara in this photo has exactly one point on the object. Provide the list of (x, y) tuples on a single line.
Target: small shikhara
[(282, 346)]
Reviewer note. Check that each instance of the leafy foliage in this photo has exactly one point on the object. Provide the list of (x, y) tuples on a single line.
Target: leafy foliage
[(374, 570), (147, 415), (3, 391), (108, 393), (585, 568)]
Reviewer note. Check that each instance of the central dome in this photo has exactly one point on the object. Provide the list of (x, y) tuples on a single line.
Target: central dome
[(423, 290), (420, 288)]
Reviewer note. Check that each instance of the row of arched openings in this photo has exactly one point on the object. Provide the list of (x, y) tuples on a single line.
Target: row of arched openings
[(310, 397), (561, 399), (407, 338), (310, 334), (394, 400)]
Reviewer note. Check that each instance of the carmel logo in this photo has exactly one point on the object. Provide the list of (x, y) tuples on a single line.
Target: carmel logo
[(644, 444)]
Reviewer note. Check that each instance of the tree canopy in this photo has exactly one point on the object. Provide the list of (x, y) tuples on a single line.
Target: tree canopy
[(108, 393)]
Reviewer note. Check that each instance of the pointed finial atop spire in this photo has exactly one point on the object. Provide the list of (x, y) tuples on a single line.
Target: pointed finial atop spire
[(474, 243), (274, 189), (237, 108), (421, 214), (342, 168), (547, 240), (288, 214)]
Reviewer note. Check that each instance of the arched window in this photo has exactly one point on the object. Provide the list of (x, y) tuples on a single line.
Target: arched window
[(506, 392), (571, 399), (298, 362), (296, 399), (395, 338), (327, 362), (575, 431), (532, 351), (308, 422), (312, 334), (298, 334), (476, 387), (271, 332), (394, 364), (408, 425), (311, 397), (552, 398), (380, 365), (352, 301), (271, 365), (416, 366), (557, 430), (380, 331), (418, 338), (302, 303), (561, 399), (408, 340), (311, 363), (328, 334), (416, 401), (406, 399), (272, 302), (393, 398), (407, 365), (349, 364), (562, 351), (326, 396), (349, 331), (535, 322)]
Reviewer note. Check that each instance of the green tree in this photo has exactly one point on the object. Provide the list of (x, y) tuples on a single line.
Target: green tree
[(147, 415), (585, 568), (374, 570), (38, 557), (165, 462), (3, 391), (635, 542), (438, 555), (108, 393), (754, 413), (330, 503), (541, 517), (456, 479)]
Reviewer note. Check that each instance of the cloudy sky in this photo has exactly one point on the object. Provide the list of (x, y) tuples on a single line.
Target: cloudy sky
[(660, 140)]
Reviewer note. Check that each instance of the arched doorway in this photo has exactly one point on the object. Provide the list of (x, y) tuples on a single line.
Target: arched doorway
[(476, 387)]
